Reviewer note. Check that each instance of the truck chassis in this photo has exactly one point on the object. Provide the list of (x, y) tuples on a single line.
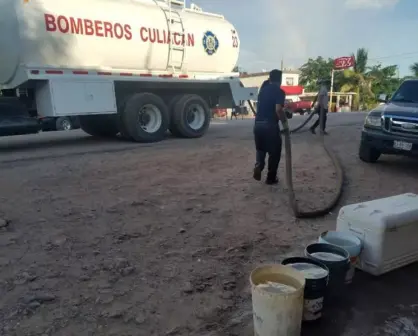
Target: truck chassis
[(140, 106)]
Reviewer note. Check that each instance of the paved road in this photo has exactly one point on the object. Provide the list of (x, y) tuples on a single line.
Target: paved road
[(56, 144)]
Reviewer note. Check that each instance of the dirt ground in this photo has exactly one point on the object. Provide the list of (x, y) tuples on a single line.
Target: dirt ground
[(160, 240)]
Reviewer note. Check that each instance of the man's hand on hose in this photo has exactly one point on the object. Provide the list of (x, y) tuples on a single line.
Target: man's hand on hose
[(284, 120), (281, 114), (315, 100), (285, 125), (289, 114)]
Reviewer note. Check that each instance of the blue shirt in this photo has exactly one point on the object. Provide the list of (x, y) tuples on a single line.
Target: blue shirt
[(270, 95)]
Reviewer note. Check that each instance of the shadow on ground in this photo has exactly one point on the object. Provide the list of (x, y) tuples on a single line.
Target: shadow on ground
[(385, 305)]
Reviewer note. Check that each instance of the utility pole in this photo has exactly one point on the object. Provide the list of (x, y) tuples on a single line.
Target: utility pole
[(330, 93)]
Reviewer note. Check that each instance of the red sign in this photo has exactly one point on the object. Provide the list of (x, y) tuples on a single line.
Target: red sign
[(342, 63)]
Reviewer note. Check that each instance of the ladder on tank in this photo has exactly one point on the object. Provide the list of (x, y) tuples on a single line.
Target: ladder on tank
[(176, 53)]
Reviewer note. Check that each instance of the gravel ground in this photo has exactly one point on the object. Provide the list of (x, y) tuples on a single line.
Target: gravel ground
[(160, 239)]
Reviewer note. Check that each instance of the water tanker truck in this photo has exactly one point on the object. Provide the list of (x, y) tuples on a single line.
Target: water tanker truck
[(132, 67)]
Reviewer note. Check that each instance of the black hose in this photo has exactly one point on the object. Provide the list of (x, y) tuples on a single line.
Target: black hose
[(300, 213), (296, 129)]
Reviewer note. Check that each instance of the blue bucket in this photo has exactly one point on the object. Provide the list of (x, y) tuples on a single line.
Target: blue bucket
[(352, 244)]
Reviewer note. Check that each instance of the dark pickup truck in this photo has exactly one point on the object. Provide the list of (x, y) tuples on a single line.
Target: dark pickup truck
[(392, 127)]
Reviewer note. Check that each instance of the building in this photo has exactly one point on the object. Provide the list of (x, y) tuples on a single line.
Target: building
[(290, 82), (341, 101)]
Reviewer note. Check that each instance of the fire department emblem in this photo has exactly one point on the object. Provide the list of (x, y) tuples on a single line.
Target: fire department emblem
[(210, 43)]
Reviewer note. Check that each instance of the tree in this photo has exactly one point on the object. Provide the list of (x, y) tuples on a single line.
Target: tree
[(313, 70), (383, 79), (356, 80), (369, 81), (366, 81), (319, 68), (414, 69)]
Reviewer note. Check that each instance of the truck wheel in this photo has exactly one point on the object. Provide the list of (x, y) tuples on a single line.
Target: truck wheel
[(368, 154), (171, 106), (63, 124), (145, 117), (100, 125), (190, 117)]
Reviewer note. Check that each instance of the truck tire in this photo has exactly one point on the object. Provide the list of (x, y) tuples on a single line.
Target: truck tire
[(103, 126), (145, 117), (190, 117), (368, 154), (63, 124), (171, 106)]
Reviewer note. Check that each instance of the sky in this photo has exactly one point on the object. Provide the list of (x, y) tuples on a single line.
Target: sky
[(294, 30)]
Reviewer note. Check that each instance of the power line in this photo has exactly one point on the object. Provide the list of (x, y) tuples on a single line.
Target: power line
[(394, 55)]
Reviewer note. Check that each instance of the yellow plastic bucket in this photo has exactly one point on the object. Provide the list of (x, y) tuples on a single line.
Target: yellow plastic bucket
[(277, 311)]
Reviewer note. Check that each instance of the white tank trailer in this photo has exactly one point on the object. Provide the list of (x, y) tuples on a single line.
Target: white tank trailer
[(134, 67)]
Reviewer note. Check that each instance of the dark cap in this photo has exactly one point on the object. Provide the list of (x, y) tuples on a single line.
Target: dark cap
[(275, 76)]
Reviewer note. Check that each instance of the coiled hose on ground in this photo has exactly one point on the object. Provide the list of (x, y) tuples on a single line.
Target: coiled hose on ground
[(297, 211)]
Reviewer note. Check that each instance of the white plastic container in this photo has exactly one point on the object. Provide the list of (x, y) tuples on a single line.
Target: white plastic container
[(277, 313), (388, 228)]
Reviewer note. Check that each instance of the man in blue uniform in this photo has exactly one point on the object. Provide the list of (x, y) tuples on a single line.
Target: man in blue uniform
[(271, 99)]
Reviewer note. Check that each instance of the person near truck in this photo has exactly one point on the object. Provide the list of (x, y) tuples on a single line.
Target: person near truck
[(322, 104), (267, 137)]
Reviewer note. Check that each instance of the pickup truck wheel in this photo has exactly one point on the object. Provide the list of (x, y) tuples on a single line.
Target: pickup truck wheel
[(368, 154), (145, 117), (99, 125), (191, 117)]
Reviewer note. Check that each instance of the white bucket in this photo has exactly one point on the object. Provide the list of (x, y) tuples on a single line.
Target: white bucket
[(348, 242), (277, 313)]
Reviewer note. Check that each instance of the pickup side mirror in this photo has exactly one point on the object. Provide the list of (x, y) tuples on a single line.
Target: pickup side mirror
[(382, 98)]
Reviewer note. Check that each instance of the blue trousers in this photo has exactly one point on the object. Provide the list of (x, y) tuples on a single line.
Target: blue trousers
[(268, 140), (318, 121)]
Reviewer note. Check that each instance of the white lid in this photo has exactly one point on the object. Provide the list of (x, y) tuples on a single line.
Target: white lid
[(382, 214)]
